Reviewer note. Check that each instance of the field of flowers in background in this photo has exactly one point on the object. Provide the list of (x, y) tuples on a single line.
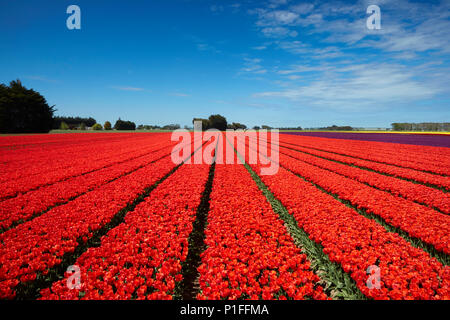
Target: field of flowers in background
[(347, 216)]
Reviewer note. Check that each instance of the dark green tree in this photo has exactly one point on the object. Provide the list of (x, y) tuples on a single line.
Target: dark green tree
[(73, 122), (216, 121), (107, 125), (237, 125), (64, 126), (97, 127), (24, 110), (171, 127), (124, 125)]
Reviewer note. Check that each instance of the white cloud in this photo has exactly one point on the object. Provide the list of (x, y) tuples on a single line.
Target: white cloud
[(278, 32), (180, 94), (343, 65), (207, 47), (358, 86), (201, 44), (305, 68), (276, 3), (128, 88), (259, 48), (406, 26), (220, 8), (278, 17), (40, 78), (216, 8), (303, 8), (252, 65)]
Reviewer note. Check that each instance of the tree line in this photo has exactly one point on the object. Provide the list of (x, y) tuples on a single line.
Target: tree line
[(422, 126), (337, 128), (156, 127), (219, 122), (24, 110), (71, 123)]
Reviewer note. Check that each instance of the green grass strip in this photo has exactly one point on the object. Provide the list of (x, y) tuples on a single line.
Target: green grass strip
[(337, 283), (365, 183), (415, 242), (31, 290), (188, 288)]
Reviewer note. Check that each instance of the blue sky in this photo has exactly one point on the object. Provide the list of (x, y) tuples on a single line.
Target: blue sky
[(275, 62)]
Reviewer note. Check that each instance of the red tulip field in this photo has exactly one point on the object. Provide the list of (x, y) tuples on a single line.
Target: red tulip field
[(112, 216)]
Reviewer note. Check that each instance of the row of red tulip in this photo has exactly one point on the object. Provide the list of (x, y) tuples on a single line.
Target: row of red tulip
[(406, 153), (410, 174), (51, 174), (39, 244), (39, 167), (68, 144), (357, 243), (417, 220), (141, 258), (435, 159), (50, 140), (23, 207), (411, 191), (249, 253), (44, 154)]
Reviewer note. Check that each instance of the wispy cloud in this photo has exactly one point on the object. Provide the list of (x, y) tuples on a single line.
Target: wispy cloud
[(278, 32), (277, 3), (40, 78), (263, 47), (220, 8), (217, 8), (253, 65), (207, 47), (406, 26), (180, 94), (345, 66), (358, 86), (124, 88), (202, 45)]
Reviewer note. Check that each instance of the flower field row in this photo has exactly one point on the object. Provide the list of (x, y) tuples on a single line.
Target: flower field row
[(411, 191), (356, 243), (432, 139), (418, 221), (141, 258), (325, 224), (408, 154), (410, 174), (56, 140), (23, 207), (40, 244), (249, 253), (414, 157), (34, 160), (14, 187)]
